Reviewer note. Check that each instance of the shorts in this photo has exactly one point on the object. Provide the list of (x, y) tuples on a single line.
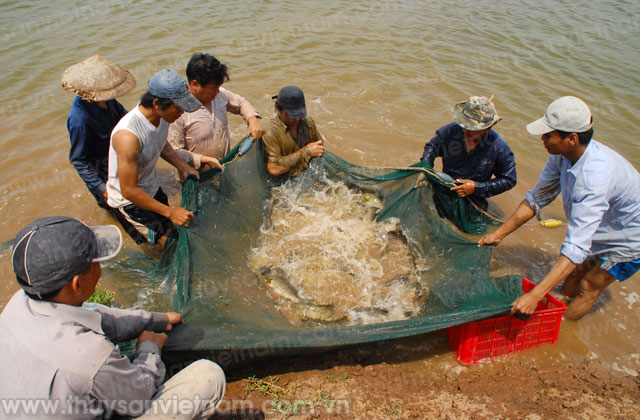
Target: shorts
[(621, 270), (120, 217), (150, 225)]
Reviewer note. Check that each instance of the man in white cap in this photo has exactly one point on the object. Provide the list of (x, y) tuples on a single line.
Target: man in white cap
[(97, 82), (473, 154), (291, 139), (137, 142), (601, 197), (58, 354)]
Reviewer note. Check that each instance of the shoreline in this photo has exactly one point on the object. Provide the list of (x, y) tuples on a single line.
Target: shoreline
[(380, 382)]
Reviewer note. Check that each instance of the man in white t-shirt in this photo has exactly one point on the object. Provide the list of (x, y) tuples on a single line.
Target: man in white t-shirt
[(137, 142)]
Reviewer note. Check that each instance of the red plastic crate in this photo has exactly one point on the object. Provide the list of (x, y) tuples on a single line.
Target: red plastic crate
[(495, 337)]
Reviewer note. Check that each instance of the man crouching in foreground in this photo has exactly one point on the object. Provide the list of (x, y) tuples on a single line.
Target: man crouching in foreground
[(58, 355)]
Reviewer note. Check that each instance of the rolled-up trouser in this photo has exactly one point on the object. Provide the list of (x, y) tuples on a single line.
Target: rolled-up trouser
[(193, 393)]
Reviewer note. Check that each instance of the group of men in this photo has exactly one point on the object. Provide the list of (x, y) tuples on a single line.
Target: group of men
[(115, 152), (57, 347), (600, 193)]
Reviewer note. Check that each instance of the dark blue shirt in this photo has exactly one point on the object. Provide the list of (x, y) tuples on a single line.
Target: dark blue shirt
[(90, 132), (492, 157)]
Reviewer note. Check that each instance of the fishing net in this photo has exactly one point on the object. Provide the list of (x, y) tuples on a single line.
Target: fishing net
[(233, 316)]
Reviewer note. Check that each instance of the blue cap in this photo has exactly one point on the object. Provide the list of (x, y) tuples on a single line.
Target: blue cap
[(291, 101), (168, 84), (49, 251)]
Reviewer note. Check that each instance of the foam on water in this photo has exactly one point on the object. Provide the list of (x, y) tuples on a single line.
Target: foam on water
[(334, 253)]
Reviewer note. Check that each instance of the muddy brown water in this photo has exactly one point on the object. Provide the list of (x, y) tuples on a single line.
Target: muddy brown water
[(379, 78)]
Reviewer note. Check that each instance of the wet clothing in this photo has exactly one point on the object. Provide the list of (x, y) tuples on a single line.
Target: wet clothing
[(601, 198), (89, 129), (490, 164), (622, 270), (152, 140), (141, 224), (282, 149), (67, 355), (150, 225), (89, 132), (207, 133)]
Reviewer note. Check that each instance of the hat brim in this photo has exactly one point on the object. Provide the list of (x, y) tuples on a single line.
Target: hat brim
[(108, 241), (98, 79), (296, 113), (187, 103), (539, 127), (469, 123)]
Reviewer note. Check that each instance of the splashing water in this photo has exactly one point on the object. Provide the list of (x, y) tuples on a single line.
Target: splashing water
[(327, 246)]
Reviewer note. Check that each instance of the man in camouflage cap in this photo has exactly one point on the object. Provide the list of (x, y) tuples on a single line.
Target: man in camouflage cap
[(474, 155)]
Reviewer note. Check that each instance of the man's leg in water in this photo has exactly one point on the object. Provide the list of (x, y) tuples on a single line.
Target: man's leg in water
[(593, 283), (571, 284)]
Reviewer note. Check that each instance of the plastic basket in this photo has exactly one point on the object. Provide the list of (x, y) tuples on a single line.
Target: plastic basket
[(487, 339)]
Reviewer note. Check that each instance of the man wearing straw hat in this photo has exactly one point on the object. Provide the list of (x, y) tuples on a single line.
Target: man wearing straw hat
[(97, 82), (137, 141), (474, 155), (58, 354)]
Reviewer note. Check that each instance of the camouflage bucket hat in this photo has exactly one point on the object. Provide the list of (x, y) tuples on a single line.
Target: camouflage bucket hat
[(478, 113)]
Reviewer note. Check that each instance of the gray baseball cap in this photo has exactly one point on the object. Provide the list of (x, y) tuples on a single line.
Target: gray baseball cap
[(291, 100), (170, 85), (48, 252)]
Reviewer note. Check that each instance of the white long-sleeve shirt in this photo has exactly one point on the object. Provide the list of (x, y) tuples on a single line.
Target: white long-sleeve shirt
[(601, 198)]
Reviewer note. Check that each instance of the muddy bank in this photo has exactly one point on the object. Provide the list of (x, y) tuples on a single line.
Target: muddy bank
[(391, 381)]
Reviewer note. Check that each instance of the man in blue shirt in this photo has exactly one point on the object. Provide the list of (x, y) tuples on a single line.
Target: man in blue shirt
[(93, 114), (472, 153), (601, 197)]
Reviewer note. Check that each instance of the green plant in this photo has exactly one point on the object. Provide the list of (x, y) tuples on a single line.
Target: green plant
[(322, 397), (289, 407), (394, 411), (340, 378), (102, 296), (269, 387)]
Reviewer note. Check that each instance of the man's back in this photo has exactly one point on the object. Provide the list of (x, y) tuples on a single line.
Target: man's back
[(601, 171), (52, 353), (90, 129)]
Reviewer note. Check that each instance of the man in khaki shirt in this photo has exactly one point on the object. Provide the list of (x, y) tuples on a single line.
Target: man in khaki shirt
[(202, 137), (292, 138)]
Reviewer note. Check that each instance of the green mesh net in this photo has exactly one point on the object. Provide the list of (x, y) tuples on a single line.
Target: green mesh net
[(231, 317)]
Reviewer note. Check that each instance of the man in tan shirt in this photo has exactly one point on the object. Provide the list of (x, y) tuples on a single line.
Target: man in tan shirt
[(292, 138), (202, 137)]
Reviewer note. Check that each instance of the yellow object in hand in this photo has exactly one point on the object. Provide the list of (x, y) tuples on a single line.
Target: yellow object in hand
[(551, 223)]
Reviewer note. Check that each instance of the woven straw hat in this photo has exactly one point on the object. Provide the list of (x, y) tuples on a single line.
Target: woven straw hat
[(98, 79)]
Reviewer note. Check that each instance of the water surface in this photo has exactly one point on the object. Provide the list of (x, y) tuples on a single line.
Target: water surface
[(379, 77)]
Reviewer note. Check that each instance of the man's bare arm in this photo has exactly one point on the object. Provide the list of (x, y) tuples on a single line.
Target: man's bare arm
[(127, 148), (171, 156), (523, 214)]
